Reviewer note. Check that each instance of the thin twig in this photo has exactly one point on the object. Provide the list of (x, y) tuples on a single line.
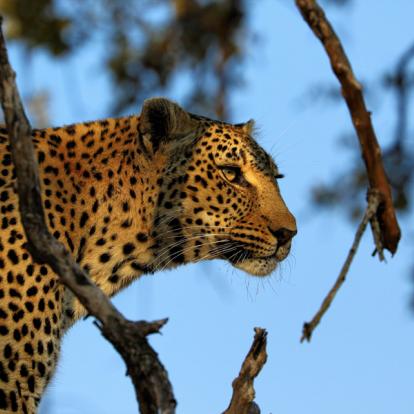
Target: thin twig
[(243, 391), (374, 200), (153, 389), (361, 118), (376, 232)]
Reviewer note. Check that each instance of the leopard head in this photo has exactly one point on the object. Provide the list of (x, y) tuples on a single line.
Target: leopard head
[(219, 195)]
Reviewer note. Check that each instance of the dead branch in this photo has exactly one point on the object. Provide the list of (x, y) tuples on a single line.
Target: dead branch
[(153, 389), (243, 391), (374, 200), (352, 93)]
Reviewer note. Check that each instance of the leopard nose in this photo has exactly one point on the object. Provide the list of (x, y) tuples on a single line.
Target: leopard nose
[(283, 235)]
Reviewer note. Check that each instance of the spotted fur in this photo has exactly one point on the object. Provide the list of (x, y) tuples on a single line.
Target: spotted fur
[(129, 196)]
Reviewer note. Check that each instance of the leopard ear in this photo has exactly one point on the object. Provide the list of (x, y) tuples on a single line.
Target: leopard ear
[(163, 120), (248, 127)]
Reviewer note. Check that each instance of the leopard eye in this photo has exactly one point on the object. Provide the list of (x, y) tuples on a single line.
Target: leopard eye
[(232, 174)]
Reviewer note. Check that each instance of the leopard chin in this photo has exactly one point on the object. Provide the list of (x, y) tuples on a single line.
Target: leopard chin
[(257, 266), (260, 266)]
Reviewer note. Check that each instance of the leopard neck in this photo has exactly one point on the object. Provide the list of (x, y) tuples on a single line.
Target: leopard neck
[(107, 192)]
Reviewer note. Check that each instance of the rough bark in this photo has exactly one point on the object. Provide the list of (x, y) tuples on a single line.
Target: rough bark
[(243, 391)]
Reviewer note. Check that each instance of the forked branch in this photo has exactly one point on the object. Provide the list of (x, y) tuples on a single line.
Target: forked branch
[(374, 200), (153, 389)]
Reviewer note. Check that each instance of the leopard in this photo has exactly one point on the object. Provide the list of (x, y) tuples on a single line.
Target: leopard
[(129, 196)]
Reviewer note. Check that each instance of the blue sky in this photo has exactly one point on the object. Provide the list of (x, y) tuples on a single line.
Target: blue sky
[(361, 357)]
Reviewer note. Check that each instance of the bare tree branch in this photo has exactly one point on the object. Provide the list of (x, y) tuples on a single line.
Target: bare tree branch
[(352, 93), (243, 391), (374, 200), (153, 389)]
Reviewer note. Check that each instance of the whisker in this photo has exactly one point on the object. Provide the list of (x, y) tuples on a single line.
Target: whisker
[(222, 251), (182, 241), (218, 250), (168, 248)]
